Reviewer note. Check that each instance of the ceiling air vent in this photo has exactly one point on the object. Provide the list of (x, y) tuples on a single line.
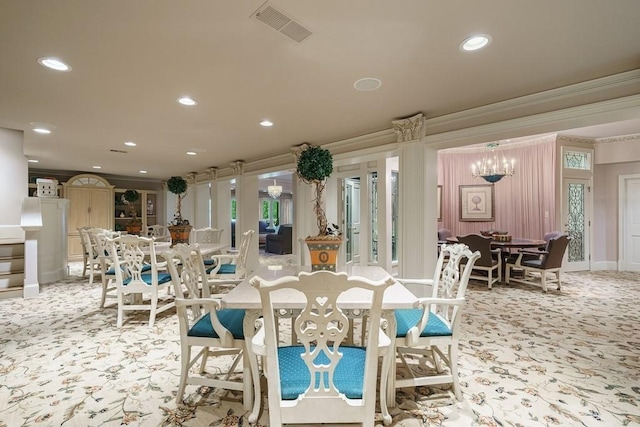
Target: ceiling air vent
[(118, 151), (282, 23)]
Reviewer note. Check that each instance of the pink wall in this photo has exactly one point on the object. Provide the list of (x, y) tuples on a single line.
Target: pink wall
[(524, 202)]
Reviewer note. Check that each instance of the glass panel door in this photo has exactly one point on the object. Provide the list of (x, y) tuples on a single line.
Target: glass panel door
[(575, 210)]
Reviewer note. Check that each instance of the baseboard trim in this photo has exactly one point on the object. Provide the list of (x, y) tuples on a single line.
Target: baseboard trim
[(604, 266)]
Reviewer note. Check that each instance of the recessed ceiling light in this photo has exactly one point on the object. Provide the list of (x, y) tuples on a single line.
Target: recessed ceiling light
[(54, 64), (367, 84), (191, 153), (97, 167), (143, 171), (266, 123), (130, 143), (33, 161), (475, 42), (185, 100), (42, 131)]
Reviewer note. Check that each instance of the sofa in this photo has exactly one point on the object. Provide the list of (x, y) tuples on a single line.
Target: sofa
[(280, 242), (263, 231)]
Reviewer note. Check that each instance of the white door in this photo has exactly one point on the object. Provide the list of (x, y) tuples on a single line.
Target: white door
[(351, 188), (629, 223), (576, 215)]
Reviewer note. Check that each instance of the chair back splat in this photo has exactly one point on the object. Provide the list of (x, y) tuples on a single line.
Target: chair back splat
[(319, 380)]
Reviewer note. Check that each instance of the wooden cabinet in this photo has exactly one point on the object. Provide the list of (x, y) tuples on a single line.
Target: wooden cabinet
[(91, 204), (145, 208)]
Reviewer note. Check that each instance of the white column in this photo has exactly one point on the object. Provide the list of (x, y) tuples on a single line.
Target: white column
[(31, 222), (221, 209), (247, 210), (417, 210)]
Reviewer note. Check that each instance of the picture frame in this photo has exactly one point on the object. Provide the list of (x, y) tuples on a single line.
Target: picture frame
[(477, 203), (439, 202)]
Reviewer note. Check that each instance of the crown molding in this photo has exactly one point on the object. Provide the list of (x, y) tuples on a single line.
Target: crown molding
[(590, 87), (606, 111), (624, 138)]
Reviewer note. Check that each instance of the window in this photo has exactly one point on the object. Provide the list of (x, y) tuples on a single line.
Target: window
[(577, 160)]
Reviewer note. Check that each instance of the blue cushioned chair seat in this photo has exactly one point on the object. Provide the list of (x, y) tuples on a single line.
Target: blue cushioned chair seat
[(231, 318), (208, 262), (295, 377), (225, 269), (406, 319), (146, 278)]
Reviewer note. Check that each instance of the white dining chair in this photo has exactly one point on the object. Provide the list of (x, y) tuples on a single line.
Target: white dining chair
[(430, 332), (136, 278), (319, 380), (206, 326)]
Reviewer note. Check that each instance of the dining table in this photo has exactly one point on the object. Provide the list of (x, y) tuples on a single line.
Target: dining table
[(354, 303), (506, 246), (205, 248)]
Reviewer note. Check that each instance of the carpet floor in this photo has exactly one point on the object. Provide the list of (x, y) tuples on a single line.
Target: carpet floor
[(527, 358)]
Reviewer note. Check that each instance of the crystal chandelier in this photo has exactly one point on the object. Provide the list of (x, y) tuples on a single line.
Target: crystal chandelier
[(274, 190), (490, 168)]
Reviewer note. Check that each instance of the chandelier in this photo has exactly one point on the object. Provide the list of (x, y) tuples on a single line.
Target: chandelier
[(274, 190), (490, 168)]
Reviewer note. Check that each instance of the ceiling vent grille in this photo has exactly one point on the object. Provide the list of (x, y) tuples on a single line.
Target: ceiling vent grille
[(282, 23)]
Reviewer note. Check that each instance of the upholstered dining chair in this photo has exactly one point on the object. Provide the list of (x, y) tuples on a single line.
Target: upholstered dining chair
[(231, 268), (206, 235), (541, 264), (430, 332), (488, 268), (90, 249), (318, 379), (85, 249), (206, 326), (107, 260), (136, 278)]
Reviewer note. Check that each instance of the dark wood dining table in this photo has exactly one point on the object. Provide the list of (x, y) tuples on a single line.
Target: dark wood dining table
[(514, 243), (506, 247)]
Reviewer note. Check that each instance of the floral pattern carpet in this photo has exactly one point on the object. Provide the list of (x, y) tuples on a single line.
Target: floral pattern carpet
[(566, 358)]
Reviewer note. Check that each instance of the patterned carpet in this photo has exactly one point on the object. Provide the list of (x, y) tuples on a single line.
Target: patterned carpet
[(569, 358)]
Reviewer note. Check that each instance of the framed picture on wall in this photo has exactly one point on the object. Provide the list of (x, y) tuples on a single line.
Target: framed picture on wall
[(477, 203), (439, 202)]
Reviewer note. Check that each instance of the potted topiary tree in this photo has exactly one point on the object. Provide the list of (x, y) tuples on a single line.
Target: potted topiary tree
[(314, 166), (130, 197), (179, 227)]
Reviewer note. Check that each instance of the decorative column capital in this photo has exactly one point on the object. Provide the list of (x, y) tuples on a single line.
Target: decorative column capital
[(409, 129), (213, 173), (191, 178), (237, 167)]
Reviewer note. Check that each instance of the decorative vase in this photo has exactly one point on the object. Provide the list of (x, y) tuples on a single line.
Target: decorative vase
[(179, 234), (323, 253)]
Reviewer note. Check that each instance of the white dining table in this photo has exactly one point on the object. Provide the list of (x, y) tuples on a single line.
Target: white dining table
[(205, 248), (244, 296)]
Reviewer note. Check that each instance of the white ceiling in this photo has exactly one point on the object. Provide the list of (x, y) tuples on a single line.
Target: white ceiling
[(132, 59)]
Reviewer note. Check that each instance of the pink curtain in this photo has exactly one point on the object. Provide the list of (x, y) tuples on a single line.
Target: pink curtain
[(524, 203)]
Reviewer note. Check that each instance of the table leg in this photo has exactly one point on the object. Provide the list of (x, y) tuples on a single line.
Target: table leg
[(249, 328)]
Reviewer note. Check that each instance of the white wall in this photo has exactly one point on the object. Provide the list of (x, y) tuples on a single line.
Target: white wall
[(14, 177)]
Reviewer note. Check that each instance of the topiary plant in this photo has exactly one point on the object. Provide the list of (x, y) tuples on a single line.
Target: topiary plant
[(178, 186), (130, 197), (314, 166)]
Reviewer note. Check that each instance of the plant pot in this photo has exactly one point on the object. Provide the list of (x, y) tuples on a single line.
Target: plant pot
[(179, 234), (323, 253), (134, 228)]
